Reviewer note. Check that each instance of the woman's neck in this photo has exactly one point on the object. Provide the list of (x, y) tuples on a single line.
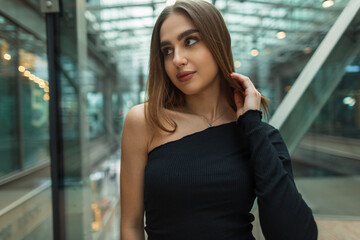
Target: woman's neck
[(210, 104)]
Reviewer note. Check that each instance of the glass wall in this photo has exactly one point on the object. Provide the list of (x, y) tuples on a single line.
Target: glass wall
[(326, 162), (25, 203), (34, 99), (340, 117), (88, 101), (9, 99)]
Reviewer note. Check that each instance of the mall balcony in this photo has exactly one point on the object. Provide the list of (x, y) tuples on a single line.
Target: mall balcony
[(70, 70)]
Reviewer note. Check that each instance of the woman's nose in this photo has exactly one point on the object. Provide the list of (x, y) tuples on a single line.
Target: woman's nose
[(179, 58)]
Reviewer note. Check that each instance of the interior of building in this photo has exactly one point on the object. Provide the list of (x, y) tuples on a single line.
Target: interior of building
[(70, 70)]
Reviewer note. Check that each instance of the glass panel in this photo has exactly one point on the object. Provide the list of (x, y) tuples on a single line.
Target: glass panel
[(105, 188), (91, 161), (9, 131), (327, 160), (25, 186), (95, 98), (35, 100)]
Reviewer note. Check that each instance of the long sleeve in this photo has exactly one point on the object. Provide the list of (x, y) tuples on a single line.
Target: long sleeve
[(283, 213)]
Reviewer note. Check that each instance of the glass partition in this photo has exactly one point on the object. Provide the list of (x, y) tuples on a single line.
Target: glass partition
[(9, 99), (25, 203)]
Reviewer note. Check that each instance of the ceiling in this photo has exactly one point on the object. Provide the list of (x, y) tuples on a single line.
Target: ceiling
[(123, 29)]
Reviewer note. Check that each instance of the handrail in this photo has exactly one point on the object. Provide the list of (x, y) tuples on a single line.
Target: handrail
[(18, 202), (13, 176)]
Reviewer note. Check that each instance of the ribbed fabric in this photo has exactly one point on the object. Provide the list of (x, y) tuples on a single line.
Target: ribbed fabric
[(203, 185)]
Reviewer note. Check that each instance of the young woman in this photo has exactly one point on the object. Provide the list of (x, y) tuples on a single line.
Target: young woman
[(196, 154)]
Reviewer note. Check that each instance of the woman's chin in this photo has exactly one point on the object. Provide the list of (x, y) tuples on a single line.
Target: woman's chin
[(189, 92)]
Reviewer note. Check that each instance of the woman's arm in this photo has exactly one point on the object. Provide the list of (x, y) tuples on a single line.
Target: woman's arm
[(283, 213), (133, 161)]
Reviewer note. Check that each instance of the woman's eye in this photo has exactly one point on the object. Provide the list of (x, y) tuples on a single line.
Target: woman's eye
[(167, 51), (191, 41)]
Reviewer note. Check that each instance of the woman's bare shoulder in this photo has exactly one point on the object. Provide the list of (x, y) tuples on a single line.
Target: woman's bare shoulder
[(135, 122), (137, 134), (136, 117)]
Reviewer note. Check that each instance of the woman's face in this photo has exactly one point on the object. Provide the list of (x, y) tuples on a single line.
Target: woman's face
[(188, 62)]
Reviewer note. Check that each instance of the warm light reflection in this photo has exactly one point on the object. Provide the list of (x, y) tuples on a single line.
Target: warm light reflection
[(96, 224), (46, 89), (27, 73), (307, 50), (46, 97), (327, 3), (32, 77), (7, 56), (37, 80), (281, 35), (254, 52), (47, 83), (237, 64), (42, 84), (21, 68)]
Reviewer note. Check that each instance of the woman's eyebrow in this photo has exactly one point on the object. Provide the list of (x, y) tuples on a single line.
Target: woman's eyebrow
[(181, 36), (187, 32)]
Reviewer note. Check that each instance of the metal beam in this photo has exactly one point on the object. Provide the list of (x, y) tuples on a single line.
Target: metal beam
[(291, 6), (122, 5), (122, 19), (290, 19), (124, 29), (224, 13), (252, 28), (248, 27)]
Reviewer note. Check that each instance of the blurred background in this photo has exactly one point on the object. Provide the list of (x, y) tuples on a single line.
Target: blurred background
[(302, 54)]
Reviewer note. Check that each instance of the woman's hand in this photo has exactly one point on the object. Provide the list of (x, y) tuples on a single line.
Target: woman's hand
[(252, 99)]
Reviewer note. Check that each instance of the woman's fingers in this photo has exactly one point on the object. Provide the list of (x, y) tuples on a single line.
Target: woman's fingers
[(243, 80), (246, 83), (239, 101), (250, 99)]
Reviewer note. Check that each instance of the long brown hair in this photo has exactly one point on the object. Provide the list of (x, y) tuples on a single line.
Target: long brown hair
[(161, 92)]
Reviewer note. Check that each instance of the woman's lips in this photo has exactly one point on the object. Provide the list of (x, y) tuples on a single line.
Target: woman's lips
[(184, 75)]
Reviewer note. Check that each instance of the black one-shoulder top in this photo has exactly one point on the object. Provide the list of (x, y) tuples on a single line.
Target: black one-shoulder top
[(203, 185)]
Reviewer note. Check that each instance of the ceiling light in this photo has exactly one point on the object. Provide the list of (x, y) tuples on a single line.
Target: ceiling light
[(27, 73), (254, 52), (46, 97), (237, 64), (7, 56), (281, 35), (42, 85), (350, 101), (327, 3), (21, 69)]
